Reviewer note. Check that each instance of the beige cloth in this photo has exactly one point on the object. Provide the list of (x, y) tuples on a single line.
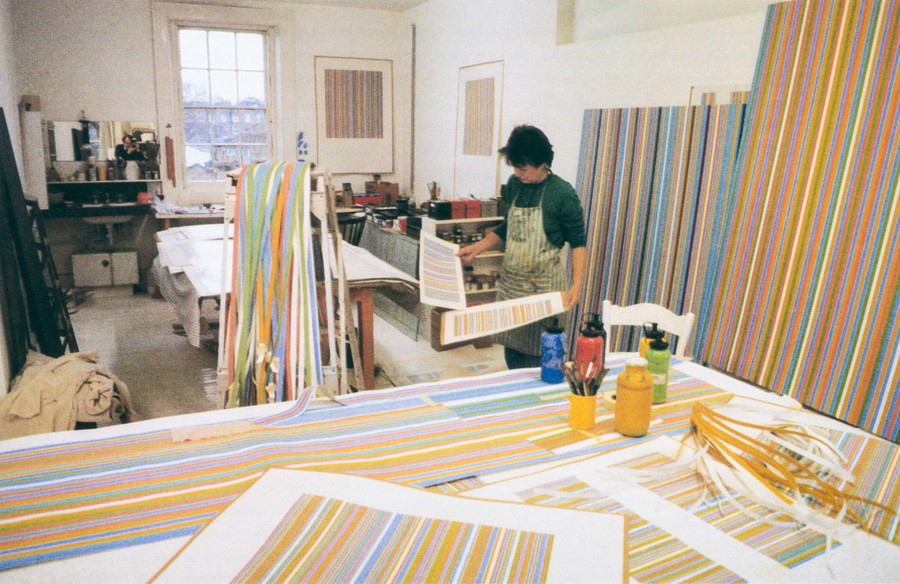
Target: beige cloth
[(52, 394)]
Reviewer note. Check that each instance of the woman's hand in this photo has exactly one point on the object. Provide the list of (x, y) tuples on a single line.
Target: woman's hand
[(570, 297), (468, 253)]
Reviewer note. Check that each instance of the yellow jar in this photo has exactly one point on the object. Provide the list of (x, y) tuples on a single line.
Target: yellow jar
[(634, 397)]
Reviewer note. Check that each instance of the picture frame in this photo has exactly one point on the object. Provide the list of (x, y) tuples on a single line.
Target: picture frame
[(354, 115), (478, 120)]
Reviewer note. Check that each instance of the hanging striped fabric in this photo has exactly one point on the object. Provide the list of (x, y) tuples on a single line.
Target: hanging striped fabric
[(272, 329), (808, 296)]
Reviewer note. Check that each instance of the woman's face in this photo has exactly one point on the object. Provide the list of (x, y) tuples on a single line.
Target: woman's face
[(529, 174)]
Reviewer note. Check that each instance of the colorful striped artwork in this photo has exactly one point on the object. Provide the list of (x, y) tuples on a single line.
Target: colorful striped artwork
[(478, 129), (807, 299), (300, 526), (440, 273), (271, 337), (117, 490), (354, 101), (486, 319)]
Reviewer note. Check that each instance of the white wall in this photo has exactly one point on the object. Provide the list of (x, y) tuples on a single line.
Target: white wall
[(550, 86)]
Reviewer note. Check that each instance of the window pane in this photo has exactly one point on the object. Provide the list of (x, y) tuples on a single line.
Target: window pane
[(221, 50), (251, 52), (226, 128), (224, 87), (194, 87), (192, 44), (254, 127), (198, 162), (225, 158), (252, 87), (254, 154), (196, 126)]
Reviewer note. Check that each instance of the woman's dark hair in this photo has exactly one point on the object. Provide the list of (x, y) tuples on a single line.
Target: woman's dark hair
[(527, 145)]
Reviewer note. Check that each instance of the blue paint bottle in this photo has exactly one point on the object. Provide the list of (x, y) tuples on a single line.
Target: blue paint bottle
[(553, 353)]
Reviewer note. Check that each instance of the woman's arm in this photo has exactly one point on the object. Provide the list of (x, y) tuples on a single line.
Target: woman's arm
[(578, 260), (468, 253)]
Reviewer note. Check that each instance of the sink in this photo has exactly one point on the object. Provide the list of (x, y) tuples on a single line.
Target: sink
[(108, 219)]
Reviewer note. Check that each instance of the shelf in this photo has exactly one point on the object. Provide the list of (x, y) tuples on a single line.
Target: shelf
[(489, 254), (485, 291), (466, 220), (65, 183)]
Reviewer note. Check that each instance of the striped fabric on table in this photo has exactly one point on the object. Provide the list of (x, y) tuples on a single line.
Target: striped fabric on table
[(808, 295), (72, 499), (272, 331)]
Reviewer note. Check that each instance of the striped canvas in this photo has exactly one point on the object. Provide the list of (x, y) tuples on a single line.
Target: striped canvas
[(478, 129), (271, 338), (808, 296), (353, 101)]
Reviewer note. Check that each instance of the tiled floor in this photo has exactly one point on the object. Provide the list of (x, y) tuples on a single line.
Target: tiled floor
[(133, 335)]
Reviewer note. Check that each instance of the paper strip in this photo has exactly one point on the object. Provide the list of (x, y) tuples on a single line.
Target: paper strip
[(479, 321)]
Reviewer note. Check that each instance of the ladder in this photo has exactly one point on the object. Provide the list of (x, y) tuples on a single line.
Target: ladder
[(56, 298)]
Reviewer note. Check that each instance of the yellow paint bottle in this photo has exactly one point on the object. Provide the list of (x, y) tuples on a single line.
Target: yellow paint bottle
[(634, 397)]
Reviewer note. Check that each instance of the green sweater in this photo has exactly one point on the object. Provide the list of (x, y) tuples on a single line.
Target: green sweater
[(562, 212)]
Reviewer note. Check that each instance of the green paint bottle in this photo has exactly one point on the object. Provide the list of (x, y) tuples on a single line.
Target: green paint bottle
[(658, 358)]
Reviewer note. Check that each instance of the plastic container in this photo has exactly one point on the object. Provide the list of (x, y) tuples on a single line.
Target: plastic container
[(591, 347), (658, 359), (651, 333), (634, 398), (553, 353)]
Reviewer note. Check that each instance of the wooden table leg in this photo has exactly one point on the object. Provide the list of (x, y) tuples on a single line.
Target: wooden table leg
[(365, 297)]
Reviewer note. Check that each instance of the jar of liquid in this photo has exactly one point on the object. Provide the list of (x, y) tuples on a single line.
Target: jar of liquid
[(634, 397), (658, 358)]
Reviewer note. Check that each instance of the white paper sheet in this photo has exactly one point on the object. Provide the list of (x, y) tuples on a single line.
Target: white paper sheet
[(486, 319), (440, 273), (585, 547)]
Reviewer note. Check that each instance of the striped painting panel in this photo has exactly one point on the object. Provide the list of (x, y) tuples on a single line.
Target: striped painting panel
[(478, 129), (810, 288), (353, 101)]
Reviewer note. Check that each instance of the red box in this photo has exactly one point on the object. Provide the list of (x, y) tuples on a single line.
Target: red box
[(473, 208), (457, 209), (367, 199)]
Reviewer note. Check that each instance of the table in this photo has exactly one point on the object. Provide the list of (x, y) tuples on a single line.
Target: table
[(116, 503), (190, 271)]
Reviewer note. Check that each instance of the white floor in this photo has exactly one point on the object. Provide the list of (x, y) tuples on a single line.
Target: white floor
[(133, 335)]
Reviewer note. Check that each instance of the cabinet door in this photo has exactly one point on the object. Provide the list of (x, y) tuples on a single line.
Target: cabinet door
[(124, 268), (92, 269)]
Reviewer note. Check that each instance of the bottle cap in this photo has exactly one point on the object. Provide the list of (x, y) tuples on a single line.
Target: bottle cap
[(653, 332), (635, 362), (555, 328), (593, 327), (659, 345)]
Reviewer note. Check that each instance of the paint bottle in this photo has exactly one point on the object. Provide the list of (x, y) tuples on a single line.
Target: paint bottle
[(634, 397), (590, 348), (658, 358), (650, 333), (553, 353)]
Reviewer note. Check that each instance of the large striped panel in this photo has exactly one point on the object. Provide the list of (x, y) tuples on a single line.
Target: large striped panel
[(271, 334), (809, 292)]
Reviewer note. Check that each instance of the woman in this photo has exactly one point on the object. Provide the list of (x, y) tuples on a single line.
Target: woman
[(543, 215)]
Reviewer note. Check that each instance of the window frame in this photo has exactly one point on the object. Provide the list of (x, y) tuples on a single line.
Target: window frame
[(278, 26)]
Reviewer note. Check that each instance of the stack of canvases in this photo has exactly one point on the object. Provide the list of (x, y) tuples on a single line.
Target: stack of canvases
[(786, 246), (271, 331)]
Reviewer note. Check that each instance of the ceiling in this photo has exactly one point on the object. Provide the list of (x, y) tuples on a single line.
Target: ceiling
[(395, 5)]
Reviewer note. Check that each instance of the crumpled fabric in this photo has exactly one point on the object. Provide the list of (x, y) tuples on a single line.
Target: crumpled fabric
[(52, 394)]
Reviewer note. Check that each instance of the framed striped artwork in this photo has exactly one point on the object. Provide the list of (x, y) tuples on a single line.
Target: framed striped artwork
[(479, 99), (354, 115)]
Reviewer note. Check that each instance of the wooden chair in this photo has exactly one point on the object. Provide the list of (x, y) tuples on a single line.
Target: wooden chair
[(637, 314), (351, 227)]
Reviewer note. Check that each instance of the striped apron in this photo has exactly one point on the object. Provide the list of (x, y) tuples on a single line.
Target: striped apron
[(531, 265)]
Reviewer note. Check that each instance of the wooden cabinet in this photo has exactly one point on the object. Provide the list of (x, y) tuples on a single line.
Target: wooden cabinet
[(118, 268)]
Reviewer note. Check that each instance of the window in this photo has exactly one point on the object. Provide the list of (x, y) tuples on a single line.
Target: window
[(224, 101), (224, 75)]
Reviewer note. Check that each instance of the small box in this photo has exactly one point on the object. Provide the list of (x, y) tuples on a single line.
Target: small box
[(440, 210), (473, 208), (389, 192), (457, 209), (367, 199), (488, 207)]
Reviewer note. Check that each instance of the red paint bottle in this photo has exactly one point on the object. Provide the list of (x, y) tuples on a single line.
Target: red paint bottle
[(590, 348)]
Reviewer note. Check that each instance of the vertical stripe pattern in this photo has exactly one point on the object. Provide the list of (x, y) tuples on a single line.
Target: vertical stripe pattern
[(353, 104), (478, 126)]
